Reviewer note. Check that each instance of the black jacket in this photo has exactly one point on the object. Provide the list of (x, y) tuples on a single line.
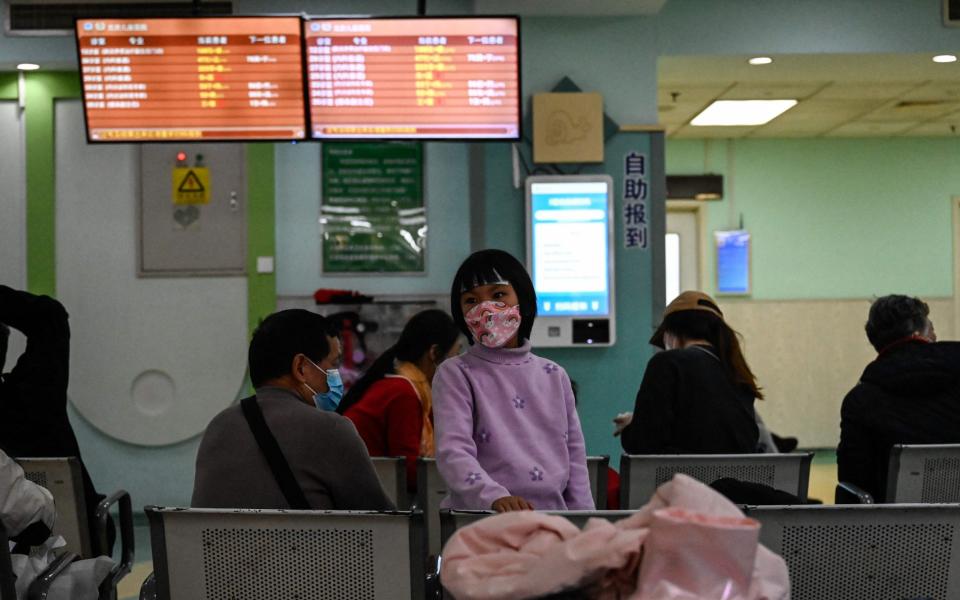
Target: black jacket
[(909, 396), (33, 396), (687, 404)]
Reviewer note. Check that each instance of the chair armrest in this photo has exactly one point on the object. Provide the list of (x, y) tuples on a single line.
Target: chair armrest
[(148, 591), (434, 591), (8, 588), (127, 545), (41, 585), (846, 491)]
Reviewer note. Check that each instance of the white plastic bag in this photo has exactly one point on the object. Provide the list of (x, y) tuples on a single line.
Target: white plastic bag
[(80, 581)]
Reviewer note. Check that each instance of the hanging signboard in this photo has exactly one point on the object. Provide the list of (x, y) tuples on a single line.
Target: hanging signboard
[(372, 213)]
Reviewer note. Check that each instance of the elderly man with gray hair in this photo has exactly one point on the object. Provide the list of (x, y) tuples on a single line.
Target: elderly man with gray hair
[(910, 394)]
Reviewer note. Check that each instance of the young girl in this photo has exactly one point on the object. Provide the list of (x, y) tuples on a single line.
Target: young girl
[(508, 436)]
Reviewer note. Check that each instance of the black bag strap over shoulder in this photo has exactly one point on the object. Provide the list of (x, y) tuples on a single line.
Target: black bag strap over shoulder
[(271, 451)]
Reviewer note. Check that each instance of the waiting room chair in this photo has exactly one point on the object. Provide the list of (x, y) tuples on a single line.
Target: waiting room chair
[(431, 490), (924, 473), (392, 473), (872, 552), (640, 475), (597, 467), (61, 476), (452, 520), (260, 554)]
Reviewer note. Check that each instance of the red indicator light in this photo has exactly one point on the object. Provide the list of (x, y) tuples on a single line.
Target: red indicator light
[(181, 156)]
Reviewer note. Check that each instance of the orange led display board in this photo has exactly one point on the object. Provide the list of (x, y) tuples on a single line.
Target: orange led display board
[(193, 79), (413, 78)]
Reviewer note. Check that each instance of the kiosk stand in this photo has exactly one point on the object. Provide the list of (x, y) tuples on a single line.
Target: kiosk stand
[(570, 257)]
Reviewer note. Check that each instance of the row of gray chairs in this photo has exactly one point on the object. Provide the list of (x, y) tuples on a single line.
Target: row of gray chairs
[(833, 552), (907, 551), (639, 478), (62, 477)]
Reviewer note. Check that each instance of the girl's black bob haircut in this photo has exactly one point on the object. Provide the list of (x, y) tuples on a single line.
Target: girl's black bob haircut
[(492, 266)]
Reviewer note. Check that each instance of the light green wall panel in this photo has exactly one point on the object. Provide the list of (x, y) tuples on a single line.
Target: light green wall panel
[(834, 218)]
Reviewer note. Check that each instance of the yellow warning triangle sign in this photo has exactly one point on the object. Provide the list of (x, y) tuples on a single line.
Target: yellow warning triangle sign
[(191, 183)]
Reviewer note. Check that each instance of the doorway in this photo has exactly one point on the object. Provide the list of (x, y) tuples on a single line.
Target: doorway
[(682, 247)]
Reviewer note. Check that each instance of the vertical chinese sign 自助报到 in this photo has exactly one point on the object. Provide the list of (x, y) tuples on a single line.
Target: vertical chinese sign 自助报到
[(635, 191), (372, 213)]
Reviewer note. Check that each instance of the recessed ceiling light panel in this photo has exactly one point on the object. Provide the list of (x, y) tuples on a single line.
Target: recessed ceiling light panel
[(944, 58), (729, 113)]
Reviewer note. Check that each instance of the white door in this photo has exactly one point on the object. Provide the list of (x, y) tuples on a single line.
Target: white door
[(682, 252)]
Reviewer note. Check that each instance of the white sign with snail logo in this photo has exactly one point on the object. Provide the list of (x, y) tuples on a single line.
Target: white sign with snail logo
[(568, 128)]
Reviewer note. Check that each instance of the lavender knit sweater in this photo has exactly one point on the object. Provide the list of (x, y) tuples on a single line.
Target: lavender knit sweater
[(506, 426)]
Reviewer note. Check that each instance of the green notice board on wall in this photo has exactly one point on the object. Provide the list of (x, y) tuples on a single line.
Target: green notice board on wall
[(372, 215)]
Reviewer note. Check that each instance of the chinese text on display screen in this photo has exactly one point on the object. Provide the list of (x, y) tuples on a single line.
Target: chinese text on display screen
[(147, 80), (413, 78), (570, 248)]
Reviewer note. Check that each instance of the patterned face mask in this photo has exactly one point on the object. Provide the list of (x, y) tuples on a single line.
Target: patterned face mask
[(493, 323)]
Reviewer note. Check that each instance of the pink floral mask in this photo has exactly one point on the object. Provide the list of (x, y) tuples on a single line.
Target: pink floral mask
[(493, 323)]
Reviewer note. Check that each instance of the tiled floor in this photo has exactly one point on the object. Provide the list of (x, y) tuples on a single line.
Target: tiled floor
[(823, 476)]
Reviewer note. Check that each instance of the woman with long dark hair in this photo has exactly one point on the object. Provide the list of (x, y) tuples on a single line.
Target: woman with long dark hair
[(697, 396), (391, 405)]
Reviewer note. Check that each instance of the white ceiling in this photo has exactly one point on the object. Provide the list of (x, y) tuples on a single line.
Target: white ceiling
[(569, 8), (847, 95)]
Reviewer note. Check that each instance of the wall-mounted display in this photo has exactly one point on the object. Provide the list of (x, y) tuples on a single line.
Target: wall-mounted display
[(192, 79), (414, 78)]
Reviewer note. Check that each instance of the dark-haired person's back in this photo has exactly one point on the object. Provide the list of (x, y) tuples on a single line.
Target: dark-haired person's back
[(688, 405), (909, 395), (697, 396), (392, 404), (293, 359)]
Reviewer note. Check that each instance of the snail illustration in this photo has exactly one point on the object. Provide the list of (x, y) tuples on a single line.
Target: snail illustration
[(562, 128)]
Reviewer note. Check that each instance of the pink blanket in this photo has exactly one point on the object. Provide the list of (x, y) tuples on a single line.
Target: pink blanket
[(687, 543)]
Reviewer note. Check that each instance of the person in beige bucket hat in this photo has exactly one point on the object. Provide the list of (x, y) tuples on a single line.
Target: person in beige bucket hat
[(697, 396)]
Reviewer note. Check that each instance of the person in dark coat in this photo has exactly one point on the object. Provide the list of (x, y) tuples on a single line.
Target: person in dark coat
[(697, 396), (33, 395), (909, 395)]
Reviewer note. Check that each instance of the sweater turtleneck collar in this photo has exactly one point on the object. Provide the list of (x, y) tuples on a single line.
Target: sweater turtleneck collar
[(502, 356)]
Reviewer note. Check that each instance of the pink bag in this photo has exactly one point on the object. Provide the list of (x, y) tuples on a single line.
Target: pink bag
[(688, 542), (692, 555)]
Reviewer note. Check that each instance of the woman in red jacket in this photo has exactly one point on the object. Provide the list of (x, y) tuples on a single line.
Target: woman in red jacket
[(391, 405)]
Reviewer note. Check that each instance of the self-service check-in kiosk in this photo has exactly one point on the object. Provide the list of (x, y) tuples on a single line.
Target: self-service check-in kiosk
[(570, 256)]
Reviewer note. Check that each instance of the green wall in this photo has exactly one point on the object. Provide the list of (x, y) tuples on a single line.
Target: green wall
[(834, 218)]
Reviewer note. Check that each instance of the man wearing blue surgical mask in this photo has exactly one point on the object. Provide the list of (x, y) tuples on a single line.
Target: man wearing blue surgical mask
[(276, 449)]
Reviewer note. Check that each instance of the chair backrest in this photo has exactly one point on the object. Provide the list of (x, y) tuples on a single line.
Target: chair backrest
[(392, 473), (452, 520), (62, 477), (928, 473), (202, 554), (866, 552), (431, 490), (597, 468), (640, 475)]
